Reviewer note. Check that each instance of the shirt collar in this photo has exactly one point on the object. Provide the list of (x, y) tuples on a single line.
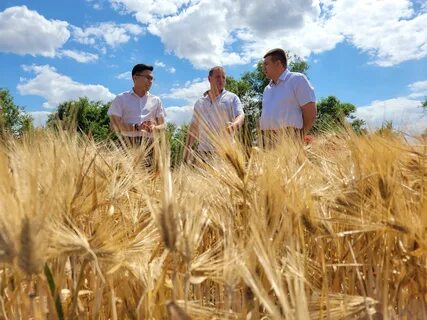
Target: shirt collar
[(206, 95), (282, 77), (132, 92)]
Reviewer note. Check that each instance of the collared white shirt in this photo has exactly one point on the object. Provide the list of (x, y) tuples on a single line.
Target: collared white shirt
[(134, 109), (282, 102), (213, 116)]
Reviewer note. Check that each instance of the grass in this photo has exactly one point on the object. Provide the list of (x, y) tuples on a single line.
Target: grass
[(334, 230)]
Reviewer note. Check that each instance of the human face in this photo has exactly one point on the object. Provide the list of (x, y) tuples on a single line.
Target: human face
[(143, 80), (272, 69), (217, 80)]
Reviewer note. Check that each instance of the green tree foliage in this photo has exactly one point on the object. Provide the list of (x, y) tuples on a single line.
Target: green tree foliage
[(333, 114), (387, 129), (176, 137), (424, 106), (87, 117), (13, 119)]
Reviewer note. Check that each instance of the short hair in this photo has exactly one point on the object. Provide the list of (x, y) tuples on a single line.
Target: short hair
[(211, 71), (141, 67), (277, 54)]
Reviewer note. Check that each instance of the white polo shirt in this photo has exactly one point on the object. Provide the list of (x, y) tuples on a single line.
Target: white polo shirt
[(282, 102), (134, 109), (212, 117)]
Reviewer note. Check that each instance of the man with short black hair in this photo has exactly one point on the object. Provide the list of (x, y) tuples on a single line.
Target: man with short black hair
[(218, 111), (136, 113), (288, 103)]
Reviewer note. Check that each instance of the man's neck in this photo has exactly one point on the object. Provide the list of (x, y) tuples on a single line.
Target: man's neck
[(139, 92), (213, 93), (276, 79)]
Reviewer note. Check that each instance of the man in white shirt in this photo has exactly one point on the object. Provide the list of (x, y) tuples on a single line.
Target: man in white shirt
[(288, 103), (135, 114), (217, 112)]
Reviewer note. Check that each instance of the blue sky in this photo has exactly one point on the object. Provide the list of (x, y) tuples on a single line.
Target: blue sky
[(372, 53)]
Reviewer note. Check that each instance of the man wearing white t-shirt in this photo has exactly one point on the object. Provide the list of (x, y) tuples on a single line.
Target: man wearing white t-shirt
[(288, 103), (136, 113), (217, 113)]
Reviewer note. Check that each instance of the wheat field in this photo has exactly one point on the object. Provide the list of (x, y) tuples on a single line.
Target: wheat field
[(333, 230)]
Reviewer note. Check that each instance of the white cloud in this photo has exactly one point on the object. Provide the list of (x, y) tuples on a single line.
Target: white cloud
[(40, 118), (161, 64), (150, 10), (191, 91), (125, 76), (79, 56), (110, 33), (418, 89), (389, 30), (222, 32), (57, 88), (405, 113), (179, 115), (24, 31), (199, 34)]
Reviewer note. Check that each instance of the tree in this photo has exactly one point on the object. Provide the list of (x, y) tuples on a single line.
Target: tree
[(88, 117), (332, 114), (13, 119), (424, 105), (176, 137), (387, 129)]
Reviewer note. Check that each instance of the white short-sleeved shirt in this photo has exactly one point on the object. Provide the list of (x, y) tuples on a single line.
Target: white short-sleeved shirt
[(134, 109), (282, 102), (212, 117)]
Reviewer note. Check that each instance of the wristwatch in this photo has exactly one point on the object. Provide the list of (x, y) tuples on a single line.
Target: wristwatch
[(136, 127)]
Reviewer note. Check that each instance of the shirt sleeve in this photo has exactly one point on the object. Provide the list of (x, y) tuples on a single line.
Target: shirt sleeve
[(237, 106), (160, 112), (196, 113), (116, 108), (304, 92)]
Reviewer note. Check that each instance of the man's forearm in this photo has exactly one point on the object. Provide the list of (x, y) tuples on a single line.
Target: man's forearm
[(308, 123), (309, 113), (191, 137), (238, 122)]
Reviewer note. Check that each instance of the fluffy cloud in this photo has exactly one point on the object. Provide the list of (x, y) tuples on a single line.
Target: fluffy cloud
[(418, 89), (57, 88), (150, 10), (125, 76), (224, 32), (110, 33), (79, 56), (389, 30), (179, 115), (23, 31), (405, 113), (191, 91)]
